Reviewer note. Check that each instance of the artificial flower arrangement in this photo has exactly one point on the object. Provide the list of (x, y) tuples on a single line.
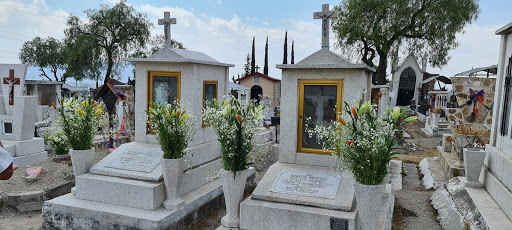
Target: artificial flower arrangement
[(235, 124), (174, 128), (363, 142), (79, 120)]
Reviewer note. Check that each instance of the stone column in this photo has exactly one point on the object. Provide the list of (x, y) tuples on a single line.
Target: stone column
[(384, 100)]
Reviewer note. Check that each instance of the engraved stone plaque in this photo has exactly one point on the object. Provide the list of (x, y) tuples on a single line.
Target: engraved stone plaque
[(141, 161), (339, 224), (307, 184)]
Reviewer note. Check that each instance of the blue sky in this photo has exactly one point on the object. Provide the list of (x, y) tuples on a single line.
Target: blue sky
[(223, 29)]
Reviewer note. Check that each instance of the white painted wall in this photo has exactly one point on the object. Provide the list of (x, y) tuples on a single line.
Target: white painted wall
[(408, 62)]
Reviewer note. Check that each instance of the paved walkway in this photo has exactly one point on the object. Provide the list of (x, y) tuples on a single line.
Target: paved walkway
[(412, 205)]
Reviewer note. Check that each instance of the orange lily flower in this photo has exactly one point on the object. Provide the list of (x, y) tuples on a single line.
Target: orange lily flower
[(340, 120), (350, 142), (354, 112), (239, 118)]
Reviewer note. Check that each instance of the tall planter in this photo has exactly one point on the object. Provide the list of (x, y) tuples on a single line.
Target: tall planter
[(172, 170), (463, 141), (233, 188), (81, 160), (367, 196), (473, 162)]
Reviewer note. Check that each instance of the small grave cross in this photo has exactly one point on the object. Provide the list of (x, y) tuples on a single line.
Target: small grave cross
[(325, 15), (11, 81), (166, 22), (257, 68)]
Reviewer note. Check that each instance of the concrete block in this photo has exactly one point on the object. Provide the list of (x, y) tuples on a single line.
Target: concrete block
[(257, 214), (146, 195), (29, 146), (68, 212), (27, 201), (30, 159), (448, 215), (11, 148), (276, 152), (446, 144), (428, 179), (24, 117)]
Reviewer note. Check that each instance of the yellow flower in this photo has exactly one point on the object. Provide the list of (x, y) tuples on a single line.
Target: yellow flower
[(99, 106), (87, 103), (184, 116), (83, 103), (168, 115), (98, 112)]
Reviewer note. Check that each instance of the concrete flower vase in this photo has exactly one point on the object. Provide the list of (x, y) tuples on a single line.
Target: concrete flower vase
[(81, 160), (172, 170), (367, 196), (473, 162), (233, 188), (463, 141)]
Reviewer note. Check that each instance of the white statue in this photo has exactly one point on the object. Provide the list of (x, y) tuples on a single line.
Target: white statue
[(11, 85)]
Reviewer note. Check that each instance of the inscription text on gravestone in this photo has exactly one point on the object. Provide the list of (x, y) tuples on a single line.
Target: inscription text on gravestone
[(307, 184), (140, 161)]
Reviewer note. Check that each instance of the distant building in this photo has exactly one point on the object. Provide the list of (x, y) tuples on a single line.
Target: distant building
[(264, 85)]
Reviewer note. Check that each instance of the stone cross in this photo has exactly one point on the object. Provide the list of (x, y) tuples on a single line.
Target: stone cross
[(11, 81), (325, 15), (257, 68), (166, 22)]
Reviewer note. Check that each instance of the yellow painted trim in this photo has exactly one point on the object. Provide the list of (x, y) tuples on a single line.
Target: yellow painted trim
[(216, 83), (151, 74), (339, 101)]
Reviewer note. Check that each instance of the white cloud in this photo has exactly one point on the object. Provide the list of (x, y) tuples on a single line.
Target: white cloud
[(229, 40), (21, 22), (479, 47)]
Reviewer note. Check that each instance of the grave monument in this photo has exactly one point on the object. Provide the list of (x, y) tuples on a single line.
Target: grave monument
[(126, 188), (18, 117), (303, 190)]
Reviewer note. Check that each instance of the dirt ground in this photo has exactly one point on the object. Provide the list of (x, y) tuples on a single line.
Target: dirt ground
[(54, 173)]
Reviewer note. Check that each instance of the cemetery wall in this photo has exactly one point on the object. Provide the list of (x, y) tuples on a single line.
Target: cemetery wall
[(480, 121), (355, 82)]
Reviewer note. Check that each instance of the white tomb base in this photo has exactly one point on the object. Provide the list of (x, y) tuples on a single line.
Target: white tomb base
[(271, 208), (110, 197)]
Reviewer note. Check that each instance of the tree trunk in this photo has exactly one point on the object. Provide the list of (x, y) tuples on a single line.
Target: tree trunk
[(109, 67), (380, 75)]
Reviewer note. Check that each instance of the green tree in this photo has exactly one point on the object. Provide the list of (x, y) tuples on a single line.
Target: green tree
[(374, 28), (265, 68), (109, 34), (46, 53), (253, 58), (293, 53), (247, 65)]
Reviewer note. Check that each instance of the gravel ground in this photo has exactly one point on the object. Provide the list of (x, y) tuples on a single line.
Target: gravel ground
[(412, 204)]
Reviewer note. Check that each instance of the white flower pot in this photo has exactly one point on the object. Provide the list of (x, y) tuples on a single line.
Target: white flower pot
[(81, 160), (463, 141), (473, 162), (233, 188), (172, 170), (367, 196)]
